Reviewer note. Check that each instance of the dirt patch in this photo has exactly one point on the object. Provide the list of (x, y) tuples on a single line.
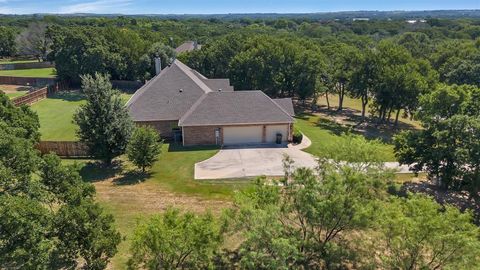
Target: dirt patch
[(8, 88), (149, 198)]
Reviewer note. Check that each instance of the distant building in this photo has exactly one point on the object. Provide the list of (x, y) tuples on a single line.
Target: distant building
[(188, 46), (416, 21), (361, 19)]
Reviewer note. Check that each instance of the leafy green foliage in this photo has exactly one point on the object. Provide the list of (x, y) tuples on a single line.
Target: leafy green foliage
[(176, 240), (122, 53), (305, 223), (104, 124), (448, 146), (417, 233), (7, 42), (48, 217), (144, 147)]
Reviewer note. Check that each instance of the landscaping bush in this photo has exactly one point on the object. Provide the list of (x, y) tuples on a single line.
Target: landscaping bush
[(297, 136)]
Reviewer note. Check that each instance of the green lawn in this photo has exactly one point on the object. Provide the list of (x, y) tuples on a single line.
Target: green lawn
[(323, 133), (16, 94), (9, 61), (36, 72), (56, 113)]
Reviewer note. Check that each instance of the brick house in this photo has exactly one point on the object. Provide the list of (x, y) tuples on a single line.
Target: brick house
[(181, 103)]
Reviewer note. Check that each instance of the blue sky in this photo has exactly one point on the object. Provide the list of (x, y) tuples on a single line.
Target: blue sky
[(223, 6)]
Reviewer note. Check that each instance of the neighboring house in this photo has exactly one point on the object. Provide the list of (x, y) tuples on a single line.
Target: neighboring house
[(188, 47), (181, 101)]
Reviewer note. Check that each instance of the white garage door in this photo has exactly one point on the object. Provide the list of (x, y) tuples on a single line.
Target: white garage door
[(242, 135), (272, 131)]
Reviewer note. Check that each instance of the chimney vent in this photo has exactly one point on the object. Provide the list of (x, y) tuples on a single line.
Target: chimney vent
[(180, 90), (158, 65)]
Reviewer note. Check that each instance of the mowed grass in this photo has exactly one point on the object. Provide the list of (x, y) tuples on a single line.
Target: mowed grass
[(36, 72), (56, 115), (324, 134), (11, 61)]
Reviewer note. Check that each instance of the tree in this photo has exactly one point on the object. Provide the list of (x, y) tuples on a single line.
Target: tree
[(34, 41), (304, 223), (81, 51), (164, 52), (447, 147), (344, 57), (144, 147), (399, 82), (7, 42), (48, 216), (176, 241), (418, 233), (363, 77), (448, 151), (104, 124)]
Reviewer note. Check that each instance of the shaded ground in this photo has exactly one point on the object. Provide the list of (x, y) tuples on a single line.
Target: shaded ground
[(459, 199)]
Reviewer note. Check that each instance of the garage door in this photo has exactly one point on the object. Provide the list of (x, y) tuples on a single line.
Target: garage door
[(242, 135), (272, 131)]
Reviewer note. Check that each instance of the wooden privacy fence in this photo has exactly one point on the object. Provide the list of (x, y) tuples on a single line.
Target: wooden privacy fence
[(63, 148), (39, 82), (31, 97)]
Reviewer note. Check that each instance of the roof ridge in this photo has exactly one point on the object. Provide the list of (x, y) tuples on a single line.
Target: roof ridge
[(188, 71)]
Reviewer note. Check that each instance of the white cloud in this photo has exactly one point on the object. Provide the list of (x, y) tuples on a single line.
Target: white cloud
[(99, 6)]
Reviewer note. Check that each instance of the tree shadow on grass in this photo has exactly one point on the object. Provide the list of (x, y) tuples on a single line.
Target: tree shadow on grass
[(73, 95), (131, 178), (96, 171)]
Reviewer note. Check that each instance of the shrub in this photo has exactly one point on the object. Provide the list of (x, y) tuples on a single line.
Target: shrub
[(144, 147), (297, 136)]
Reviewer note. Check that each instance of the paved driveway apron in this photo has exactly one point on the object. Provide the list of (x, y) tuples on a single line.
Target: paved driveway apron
[(252, 161)]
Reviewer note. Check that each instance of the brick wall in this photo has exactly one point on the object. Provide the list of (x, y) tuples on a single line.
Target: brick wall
[(200, 135), (163, 127)]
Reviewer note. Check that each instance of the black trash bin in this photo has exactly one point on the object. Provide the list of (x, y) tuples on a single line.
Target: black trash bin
[(279, 138)]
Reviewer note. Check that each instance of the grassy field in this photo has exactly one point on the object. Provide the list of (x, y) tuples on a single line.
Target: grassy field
[(131, 196), (36, 72), (10, 61), (56, 113)]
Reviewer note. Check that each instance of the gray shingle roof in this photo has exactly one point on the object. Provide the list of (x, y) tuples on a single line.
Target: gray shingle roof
[(235, 108), (168, 96), (188, 46), (286, 104)]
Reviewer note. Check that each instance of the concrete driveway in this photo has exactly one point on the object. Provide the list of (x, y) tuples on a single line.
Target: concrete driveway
[(257, 160), (251, 161)]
